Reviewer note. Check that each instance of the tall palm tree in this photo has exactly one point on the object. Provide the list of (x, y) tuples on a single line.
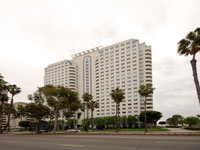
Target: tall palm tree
[(75, 106), (117, 95), (190, 45), (145, 90), (87, 98), (92, 106), (13, 90)]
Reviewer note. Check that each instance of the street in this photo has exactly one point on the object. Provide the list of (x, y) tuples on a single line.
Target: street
[(98, 142)]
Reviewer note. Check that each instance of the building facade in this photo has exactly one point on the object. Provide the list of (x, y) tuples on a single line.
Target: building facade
[(14, 122), (126, 65)]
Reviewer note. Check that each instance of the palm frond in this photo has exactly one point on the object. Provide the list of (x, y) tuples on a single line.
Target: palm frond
[(191, 36)]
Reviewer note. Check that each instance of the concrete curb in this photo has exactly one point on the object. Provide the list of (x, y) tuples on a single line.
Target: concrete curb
[(114, 133)]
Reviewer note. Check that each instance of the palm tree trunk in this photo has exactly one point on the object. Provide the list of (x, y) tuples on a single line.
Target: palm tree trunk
[(21, 121), (92, 120), (145, 114), (196, 81), (74, 121), (87, 116), (118, 122), (116, 118)]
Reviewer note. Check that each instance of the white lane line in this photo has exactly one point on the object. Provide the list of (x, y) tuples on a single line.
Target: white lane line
[(10, 141), (39, 138), (98, 140), (128, 137), (175, 142), (71, 145)]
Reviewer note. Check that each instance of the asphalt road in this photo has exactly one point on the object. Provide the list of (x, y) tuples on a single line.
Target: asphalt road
[(98, 142)]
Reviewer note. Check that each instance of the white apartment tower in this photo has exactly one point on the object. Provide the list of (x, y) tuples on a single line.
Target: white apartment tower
[(125, 65)]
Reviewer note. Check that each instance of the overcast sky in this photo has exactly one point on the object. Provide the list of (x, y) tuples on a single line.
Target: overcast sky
[(36, 33)]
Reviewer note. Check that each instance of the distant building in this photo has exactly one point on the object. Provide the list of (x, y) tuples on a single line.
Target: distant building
[(3, 121), (14, 122), (126, 65)]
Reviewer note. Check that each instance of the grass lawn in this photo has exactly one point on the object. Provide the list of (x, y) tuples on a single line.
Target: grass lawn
[(21, 131), (132, 130)]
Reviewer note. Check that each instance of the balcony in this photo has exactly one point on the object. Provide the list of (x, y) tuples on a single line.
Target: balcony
[(147, 57)]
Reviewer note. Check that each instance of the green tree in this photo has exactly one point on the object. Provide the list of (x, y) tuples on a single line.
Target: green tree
[(175, 120), (6, 110), (57, 98), (13, 90), (100, 123), (146, 90), (151, 117), (37, 109), (169, 121), (110, 121), (38, 112), (73, 105), (21, 113), (162, 123), (73, 108), (191, 121), (61, 124), (92, 105), (70, 123), (87, 98), (24, 124), (131, 120), (3, 96), (123, 121), (118, 96), (190, 45)]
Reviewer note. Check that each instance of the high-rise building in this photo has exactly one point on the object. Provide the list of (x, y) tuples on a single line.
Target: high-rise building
[(126, 65)]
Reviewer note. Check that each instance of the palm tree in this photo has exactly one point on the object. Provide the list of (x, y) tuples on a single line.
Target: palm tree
[(13, 90), (87, 98), (146, 90), (117, 95), (92, 106), (75, 106), (191, 46)]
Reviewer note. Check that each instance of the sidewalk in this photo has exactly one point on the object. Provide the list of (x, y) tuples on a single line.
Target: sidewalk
[(164, 133), (180, 130)]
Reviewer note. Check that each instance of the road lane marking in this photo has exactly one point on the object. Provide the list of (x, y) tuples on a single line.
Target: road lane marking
[(129, 137), (98, 140), (39, 138), (71, 145), (158, 142), (10, 141)]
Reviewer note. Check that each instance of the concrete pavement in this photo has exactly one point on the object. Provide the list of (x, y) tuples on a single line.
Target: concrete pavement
[(180, 130)]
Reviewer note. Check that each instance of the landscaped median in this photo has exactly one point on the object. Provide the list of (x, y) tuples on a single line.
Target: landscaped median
[(134, 131)]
